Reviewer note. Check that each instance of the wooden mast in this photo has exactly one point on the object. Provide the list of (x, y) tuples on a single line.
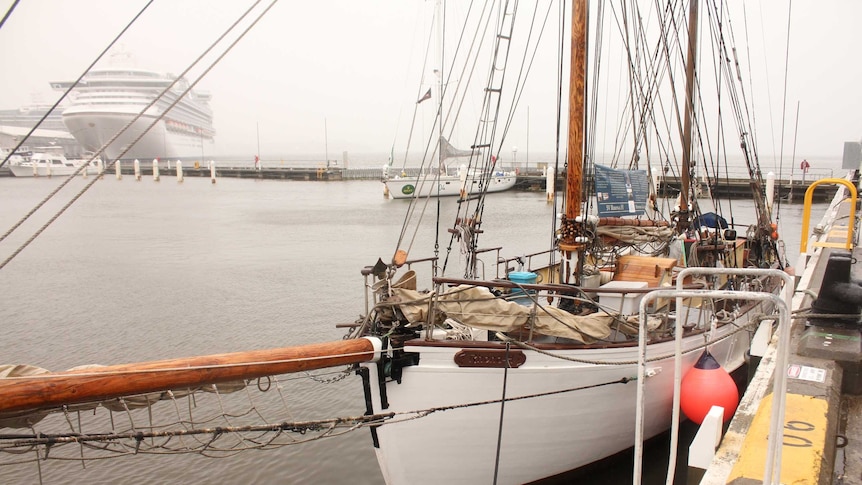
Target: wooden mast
[(685, 182), (575, 148), (46, 391)]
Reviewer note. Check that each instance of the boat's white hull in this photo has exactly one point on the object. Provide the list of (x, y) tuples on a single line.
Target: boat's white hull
[(41, 171), (541, 436), (448, 185), (93, 129), (47, 164)]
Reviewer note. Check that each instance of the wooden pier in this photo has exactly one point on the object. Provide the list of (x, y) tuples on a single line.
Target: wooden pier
[(528, 180), (731, 188)]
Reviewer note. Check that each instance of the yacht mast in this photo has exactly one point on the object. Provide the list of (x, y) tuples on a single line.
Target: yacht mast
[(575, 148), (438, 75), (689, 112)]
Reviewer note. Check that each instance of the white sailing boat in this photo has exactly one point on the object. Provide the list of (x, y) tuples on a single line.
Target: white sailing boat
[(531, 372), (436, 178), (509, 381), (439, 182)]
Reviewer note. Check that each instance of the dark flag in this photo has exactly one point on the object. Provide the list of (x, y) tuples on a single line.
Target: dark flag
[(427, 95)]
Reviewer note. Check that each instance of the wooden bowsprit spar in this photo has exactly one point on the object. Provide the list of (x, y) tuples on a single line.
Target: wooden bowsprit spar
[(45, 391)]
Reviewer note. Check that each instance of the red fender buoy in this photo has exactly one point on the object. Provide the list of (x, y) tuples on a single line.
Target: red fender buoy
[(707, 384)]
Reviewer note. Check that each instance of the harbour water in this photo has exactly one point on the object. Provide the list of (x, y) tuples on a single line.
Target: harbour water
[(138, 271)]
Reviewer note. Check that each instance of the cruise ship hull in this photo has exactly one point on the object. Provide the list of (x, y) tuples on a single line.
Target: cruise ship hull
[(94, 129)]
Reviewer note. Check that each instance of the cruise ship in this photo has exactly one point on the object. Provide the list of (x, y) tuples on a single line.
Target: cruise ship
[(27, 117), (107, 99)]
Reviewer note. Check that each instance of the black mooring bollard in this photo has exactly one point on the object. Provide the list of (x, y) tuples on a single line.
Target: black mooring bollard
[(838, 294)]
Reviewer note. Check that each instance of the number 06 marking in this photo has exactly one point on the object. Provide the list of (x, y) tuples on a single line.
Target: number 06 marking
[(798, 441), (799, 426)]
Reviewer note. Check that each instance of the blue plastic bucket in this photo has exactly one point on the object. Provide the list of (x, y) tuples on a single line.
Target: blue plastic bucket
[(522, 278)]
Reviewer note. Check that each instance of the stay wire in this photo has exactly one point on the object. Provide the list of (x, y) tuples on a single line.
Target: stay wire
[(433, 144), (595, 40), (526, 66), (8, 13), (502, 414), (745, 118), (83, 167), (491, 126), (73, 85), (415, 113), (144, 132), (784, 95), (124, 129), (640, 111), (561, 30), (487, 124), (484, 24), (420, 181)]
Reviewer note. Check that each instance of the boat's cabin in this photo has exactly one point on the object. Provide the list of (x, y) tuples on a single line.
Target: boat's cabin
[(50, 160)]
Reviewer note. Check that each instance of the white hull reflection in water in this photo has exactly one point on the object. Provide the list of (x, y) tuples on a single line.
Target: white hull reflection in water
[(228, 272)]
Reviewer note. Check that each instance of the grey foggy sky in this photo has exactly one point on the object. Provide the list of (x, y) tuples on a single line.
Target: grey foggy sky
[(352, 65)]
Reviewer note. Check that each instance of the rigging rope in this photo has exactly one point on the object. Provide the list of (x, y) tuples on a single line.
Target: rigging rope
[(502, 415), (57, 103), (784, 95), (156, 120), (2, 22), (72, 86), (10, 441)]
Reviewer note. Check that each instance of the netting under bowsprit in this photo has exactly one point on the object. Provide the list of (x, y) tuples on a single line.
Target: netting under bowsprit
[(214, 420)]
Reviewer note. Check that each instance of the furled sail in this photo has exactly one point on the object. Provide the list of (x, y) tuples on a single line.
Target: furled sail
[(479, 308), (448, 151)]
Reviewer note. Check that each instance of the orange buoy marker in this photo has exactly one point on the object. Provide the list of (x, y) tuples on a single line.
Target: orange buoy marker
[(707, 384)]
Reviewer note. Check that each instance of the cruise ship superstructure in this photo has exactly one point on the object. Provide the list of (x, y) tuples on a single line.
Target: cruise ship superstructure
[(107, 99)]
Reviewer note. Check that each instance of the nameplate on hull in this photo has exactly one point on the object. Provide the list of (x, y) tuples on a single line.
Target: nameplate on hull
[(490, 358)]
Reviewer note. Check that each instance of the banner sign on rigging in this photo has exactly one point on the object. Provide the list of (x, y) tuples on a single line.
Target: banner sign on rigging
[(621, 192)]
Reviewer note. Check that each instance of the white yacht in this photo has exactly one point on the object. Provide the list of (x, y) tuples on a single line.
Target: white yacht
[(463, 184), (440, 183), (107, 99), (45, 162)]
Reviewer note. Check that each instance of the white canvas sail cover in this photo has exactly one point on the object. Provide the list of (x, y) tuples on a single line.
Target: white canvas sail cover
[(479, 308)]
